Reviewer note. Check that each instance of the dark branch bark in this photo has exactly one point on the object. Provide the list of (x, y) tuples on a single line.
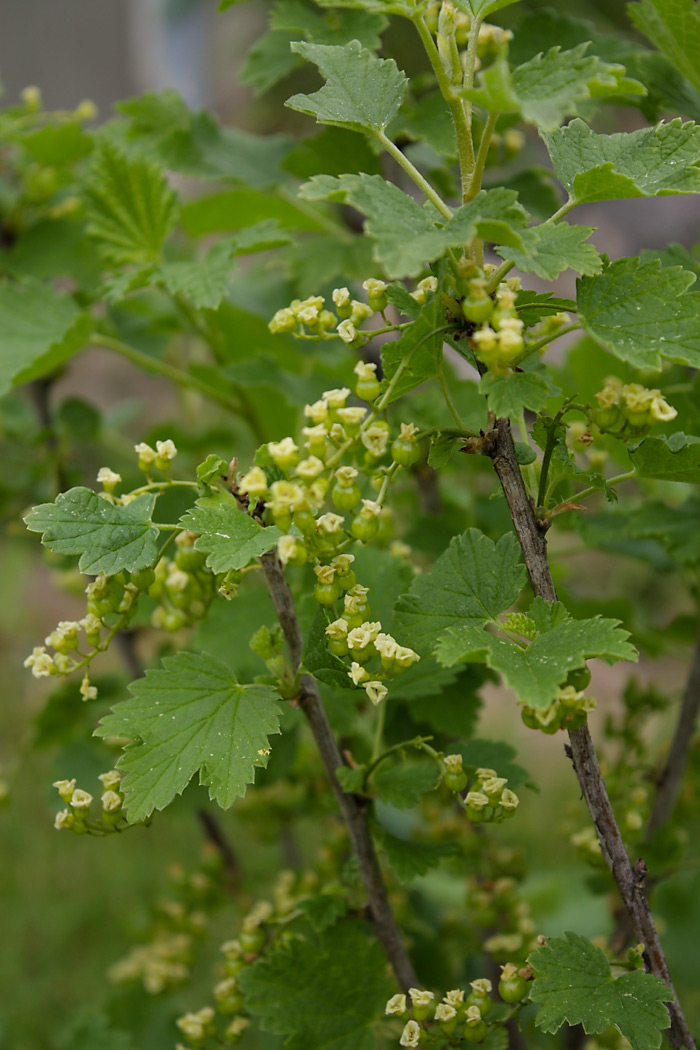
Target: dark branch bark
[(671, 776), (629, 879), (351, 809)]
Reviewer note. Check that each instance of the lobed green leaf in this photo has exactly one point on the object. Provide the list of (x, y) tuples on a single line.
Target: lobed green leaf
[(643, 312), (362, 92), (131, 207), (189, 715), (650, 162), (41, 329), (473, 581), (548, 88), (336, 1006), (574, 985), (674, 458), (231, 538), (108, 538)]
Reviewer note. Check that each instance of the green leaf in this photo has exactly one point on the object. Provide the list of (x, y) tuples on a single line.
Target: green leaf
[(410, 859), (674, 458), (643, 312), (335, 1007), (574, 985), (230, 537), (537, 671), (108, 538), (474, 580), (483, 8), (495, 754), (338, 27), (418, 351), (405, 236), (548, 250), (404, 784), (191, 714), (58, 144), (204, 281), (549, 87), (674, 27), (40, 329), (324, 910), (90, 1030), (242, 208), (317, 658), (361, 92), (649, 162), (533, 306), (508, 395), (131, 207)]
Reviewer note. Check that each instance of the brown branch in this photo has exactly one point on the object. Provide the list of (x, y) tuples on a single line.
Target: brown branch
[(629, 879), (214, 833), (352, 810), (671, 777)]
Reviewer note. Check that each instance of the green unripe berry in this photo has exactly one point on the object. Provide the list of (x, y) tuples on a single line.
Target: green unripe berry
[(455, 782), (574, 720), (530, 718), (348, 581), (143, 578), (606, 418), (188, 559), (327, 593), (579, 679), (484, 1002), (346, 497), (233, 966), (512, 989), (338, 646), (477, 310), (283, 520), (475, 1033), (305, 522), (405, 453), (252, 941), (172, 620), (364, 529), (368, 389)]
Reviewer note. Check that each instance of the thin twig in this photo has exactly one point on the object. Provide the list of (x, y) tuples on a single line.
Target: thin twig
[(671, 776), (628, 878), (352, 810), (212, 830)]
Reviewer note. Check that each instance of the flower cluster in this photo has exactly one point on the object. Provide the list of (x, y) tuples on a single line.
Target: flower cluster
[(239, 953), (178, 922), (488, 801), (76, 816), (568, 710), (498, 339), (630, 408), (491, 37), (495, 905), (342, 443), (363, 643), (309, 319), (459, 1015)]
